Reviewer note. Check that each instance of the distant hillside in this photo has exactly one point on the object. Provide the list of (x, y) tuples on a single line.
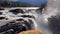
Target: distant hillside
[(14, 4), (33, 2)]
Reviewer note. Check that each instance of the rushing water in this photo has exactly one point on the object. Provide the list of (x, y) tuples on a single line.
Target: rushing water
[(41, 19)]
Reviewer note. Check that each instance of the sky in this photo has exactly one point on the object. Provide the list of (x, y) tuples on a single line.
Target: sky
[(33, 2)]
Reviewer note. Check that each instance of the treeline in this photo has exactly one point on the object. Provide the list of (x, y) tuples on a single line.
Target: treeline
[(14, 4)]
